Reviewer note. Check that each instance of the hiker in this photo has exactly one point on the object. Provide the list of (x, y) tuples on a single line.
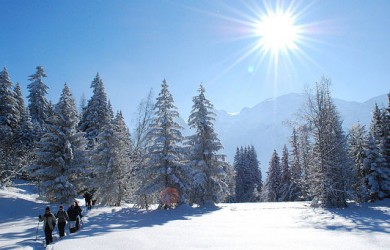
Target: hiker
[(88, 200), (72, 215), (79, 216), (62, 217), (49, 223)]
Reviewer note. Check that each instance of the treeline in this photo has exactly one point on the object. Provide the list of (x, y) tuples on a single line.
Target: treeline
[(68, 152), (325, 164)]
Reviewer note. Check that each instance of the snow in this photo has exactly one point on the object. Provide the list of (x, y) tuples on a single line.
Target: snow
[(293, 225)]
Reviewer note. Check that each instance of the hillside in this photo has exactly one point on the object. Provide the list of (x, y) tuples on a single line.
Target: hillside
[(291, 225)]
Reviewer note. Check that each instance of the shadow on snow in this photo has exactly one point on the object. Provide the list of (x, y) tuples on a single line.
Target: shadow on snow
[(129, 218), (367, 217)]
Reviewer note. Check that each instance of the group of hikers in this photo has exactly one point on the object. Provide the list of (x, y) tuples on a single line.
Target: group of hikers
[(72, 216)]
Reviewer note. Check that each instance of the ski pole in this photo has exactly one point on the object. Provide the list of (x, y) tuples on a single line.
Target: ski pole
[(36, 232)]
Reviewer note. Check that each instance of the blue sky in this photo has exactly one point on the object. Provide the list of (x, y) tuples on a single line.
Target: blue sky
[(135, 44)]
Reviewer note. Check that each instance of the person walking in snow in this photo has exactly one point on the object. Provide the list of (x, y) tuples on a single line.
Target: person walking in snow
[(62, 217), (79, 215), (72, 215), (49, 223), (88, 200)]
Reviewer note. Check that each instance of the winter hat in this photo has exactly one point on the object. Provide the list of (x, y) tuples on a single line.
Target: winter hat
[(47, 209)]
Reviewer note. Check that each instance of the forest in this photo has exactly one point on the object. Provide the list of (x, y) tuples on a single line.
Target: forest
[(67, 151)]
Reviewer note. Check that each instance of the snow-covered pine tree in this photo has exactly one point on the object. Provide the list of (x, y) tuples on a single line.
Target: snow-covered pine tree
[(285, 177), (375, 161), (256, 173), (9, 113), (38, 105), (24, 136), (205, 159), (357, 144), (271, 191), (330, 159), (373, 165), (166, 166), (9, 118), (60, 154), (296, 169), (112, 163), (248, 175), (239, 169), (97, 113), (386, 144)]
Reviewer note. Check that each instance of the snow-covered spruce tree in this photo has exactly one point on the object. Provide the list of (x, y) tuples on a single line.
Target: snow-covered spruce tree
[(37, 103), (9, 118), (24, 136), (166, 166), (60, 154), (256, 175), (375, 162), (329, 169), (97, 113), (206, 161), (271, 190), (112, 163), (285, 177), (386, 130), (239, 169), (248, 175), (296, 169), (357, 144)]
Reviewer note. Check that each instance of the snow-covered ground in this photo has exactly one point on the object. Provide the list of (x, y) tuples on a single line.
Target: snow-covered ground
[(225, 226)]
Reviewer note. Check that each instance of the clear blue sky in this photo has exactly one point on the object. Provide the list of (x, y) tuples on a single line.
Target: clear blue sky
[(135, 44)]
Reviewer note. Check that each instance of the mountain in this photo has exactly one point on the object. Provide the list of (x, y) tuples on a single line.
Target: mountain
[(266, 125)]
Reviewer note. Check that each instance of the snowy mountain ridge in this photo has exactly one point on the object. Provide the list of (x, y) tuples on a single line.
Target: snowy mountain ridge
[(266, 125)]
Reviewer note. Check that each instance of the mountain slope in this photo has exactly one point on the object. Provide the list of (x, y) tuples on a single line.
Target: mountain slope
[(265, 126)]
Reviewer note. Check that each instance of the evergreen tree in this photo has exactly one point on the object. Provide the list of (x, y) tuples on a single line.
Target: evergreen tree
[(24, 136), (357, 144), (20, 106), (272, 184), (285, 177), (60, 154), (97, 113), (9, 122), (38, 105), (208, 183), (330, 159), (296, 169), (166, 166), (376, 156), (9, 115), (239, 169), (377, 177), (112, 163), (248, 175)]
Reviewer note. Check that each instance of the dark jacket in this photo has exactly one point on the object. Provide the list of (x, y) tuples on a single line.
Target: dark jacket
[(72, 213)]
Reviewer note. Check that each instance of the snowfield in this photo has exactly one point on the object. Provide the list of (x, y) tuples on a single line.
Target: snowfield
[(293, 225)]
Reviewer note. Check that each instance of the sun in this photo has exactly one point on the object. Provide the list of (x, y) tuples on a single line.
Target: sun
[(277, 32)]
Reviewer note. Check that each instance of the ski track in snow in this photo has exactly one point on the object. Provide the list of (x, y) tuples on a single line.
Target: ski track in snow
[(283, 225)]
